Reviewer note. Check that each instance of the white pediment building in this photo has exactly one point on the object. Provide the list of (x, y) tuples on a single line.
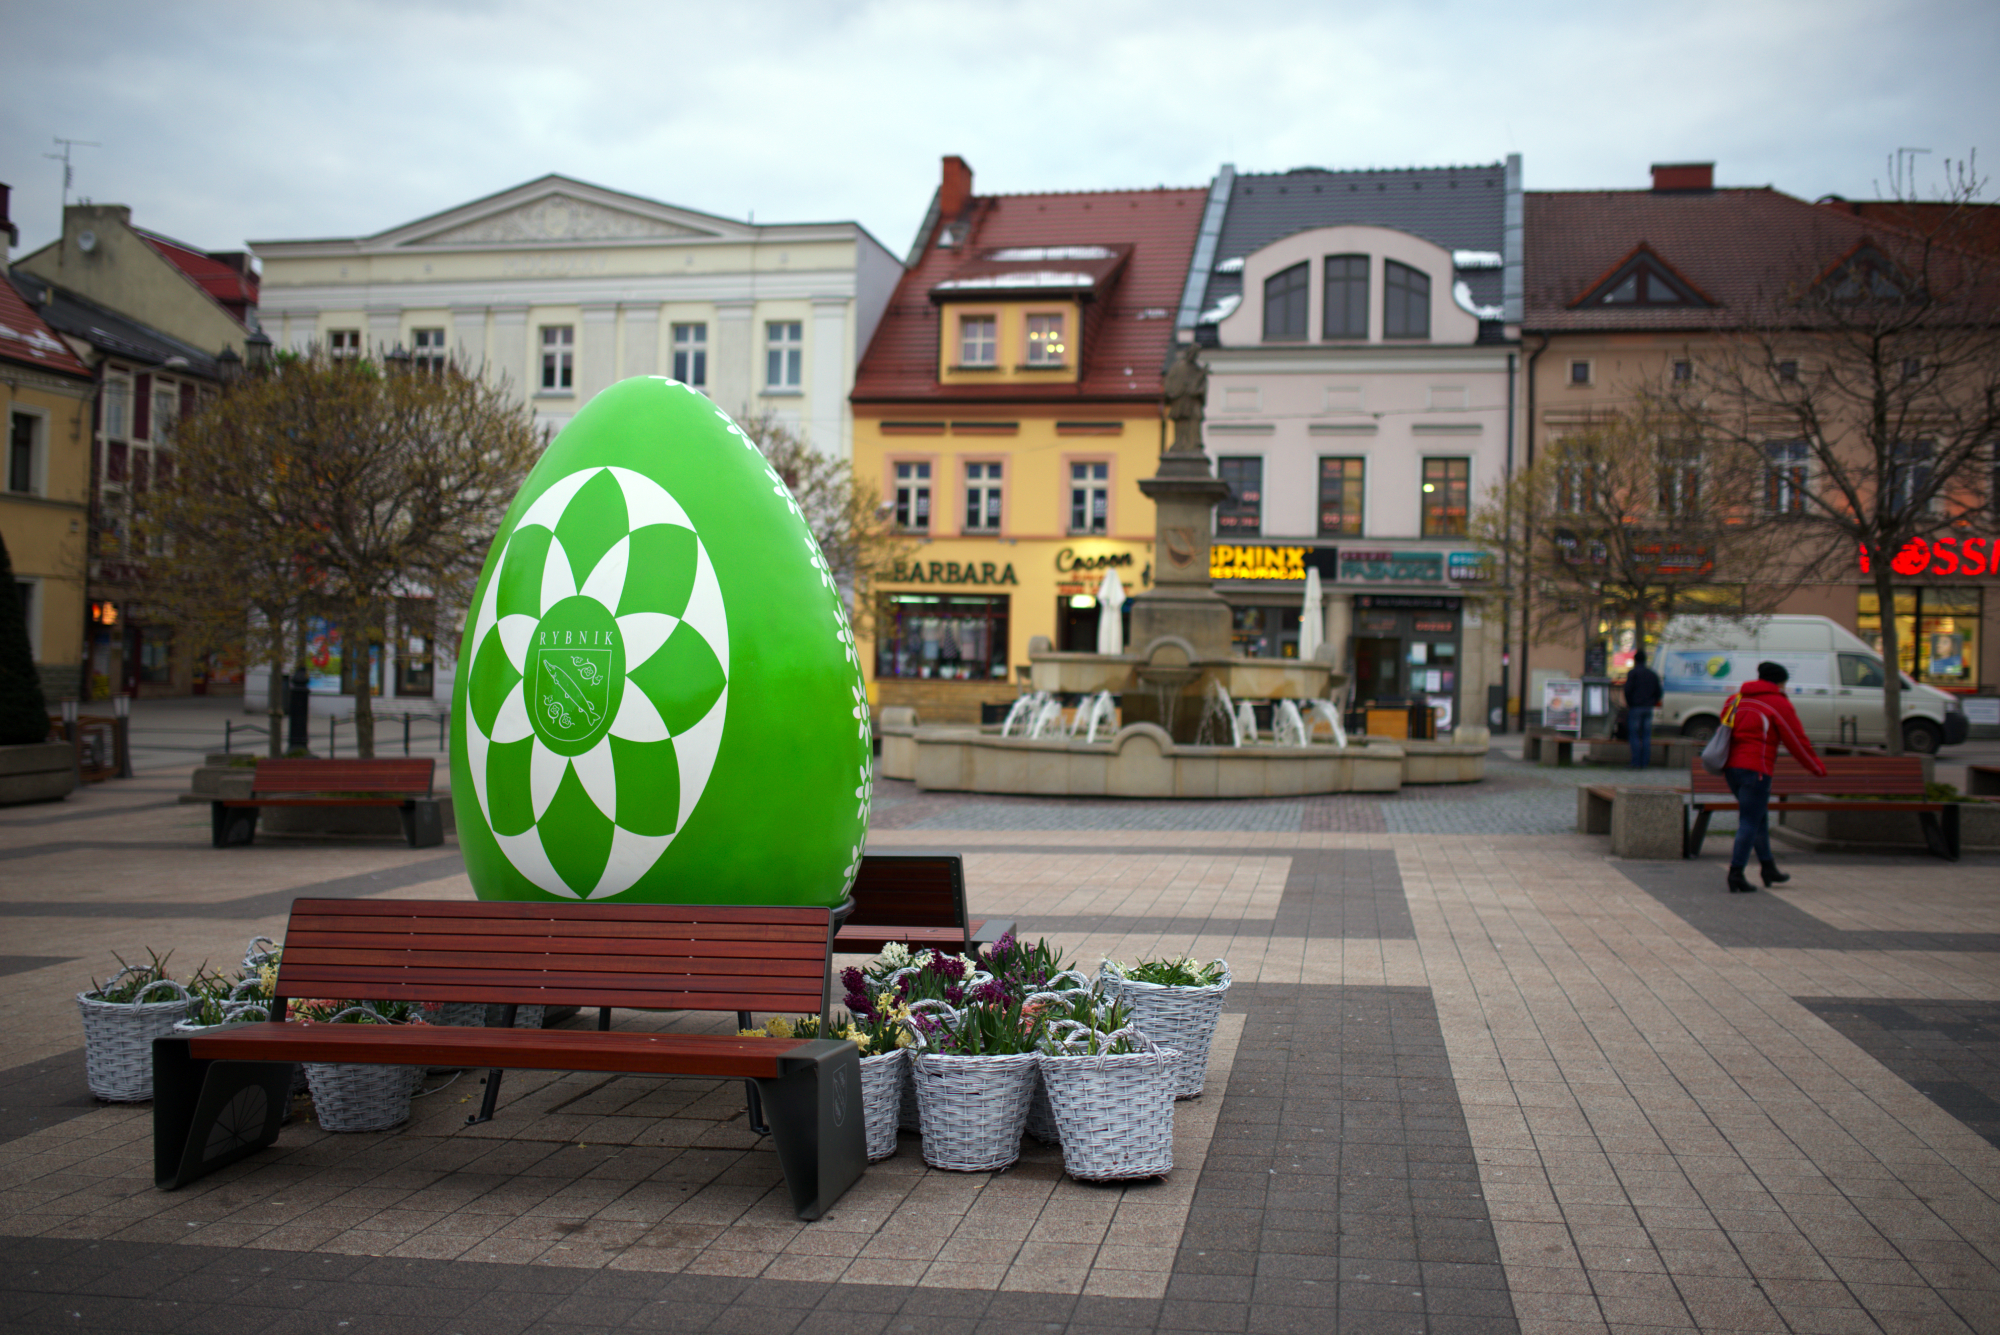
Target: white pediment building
[(562, 288)]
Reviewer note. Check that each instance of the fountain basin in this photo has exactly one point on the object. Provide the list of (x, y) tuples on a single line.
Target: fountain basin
[(1142, 760)]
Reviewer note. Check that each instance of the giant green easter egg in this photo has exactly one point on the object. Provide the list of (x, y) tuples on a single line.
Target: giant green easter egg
[(658, 697)]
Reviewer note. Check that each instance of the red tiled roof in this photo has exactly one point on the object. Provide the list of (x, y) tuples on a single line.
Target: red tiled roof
[(1123, 353), (1738, 247), (1972, 226), (235, 290), (26, 339)]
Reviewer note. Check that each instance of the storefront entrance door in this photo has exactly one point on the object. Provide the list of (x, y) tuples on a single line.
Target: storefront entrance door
[(1378, 670)]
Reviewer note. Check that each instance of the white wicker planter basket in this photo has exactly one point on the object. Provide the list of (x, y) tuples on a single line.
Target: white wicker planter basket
[(1174, 1017), (118, 1040), (1042, 1124), (475, 1015), (974, 1109), (1116, 1112), (353, 1097), (882, 1080)]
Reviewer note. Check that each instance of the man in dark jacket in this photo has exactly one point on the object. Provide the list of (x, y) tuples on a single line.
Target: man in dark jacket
[(1642, 695)]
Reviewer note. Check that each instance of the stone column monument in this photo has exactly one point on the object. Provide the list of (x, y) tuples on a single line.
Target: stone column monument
[(1182, 602)]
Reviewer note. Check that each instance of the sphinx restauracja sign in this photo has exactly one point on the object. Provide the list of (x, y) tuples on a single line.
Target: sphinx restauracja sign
[(1947, 555)]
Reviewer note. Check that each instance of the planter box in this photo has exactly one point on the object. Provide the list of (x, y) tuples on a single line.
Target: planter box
[(1978, 828), (37, 772)]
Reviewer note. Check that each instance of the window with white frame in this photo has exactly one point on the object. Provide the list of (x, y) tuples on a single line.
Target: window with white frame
[(166, 404), (690, 344), (117, 408), (24, 448), (982, 498), (1089, 497), (913, 497), (427, 350), (1680, 477), (784, 354), (1787, 469), (978, 340), (1046, 346), (558, 357), (1910, 466), (344, 345)]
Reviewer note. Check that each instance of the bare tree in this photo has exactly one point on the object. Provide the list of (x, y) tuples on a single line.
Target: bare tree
[(1866, 390), (332, 487), (845, 513), (1633, 518)]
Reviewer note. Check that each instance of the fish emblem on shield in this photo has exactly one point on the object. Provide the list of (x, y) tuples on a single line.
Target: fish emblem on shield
[(572, 690)]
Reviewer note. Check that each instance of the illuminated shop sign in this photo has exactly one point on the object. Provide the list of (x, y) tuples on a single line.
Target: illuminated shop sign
[(1068, 560), (1227, 560), (1947, 555), (1389, 567), (952, 572), (1470, 567)]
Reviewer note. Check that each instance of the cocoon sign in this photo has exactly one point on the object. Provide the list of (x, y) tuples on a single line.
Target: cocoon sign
[(659, 697)]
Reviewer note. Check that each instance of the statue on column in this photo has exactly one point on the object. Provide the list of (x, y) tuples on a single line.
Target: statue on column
[(1186, 390)]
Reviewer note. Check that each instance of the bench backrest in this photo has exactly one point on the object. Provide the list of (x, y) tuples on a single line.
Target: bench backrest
[(400, 775), (1861, 776), (658, 956), (909, 890)]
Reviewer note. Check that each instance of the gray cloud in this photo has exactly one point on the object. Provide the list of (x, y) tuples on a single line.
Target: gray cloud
[(232, 120)]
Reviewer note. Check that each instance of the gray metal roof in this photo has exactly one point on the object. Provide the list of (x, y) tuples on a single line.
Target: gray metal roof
[(107, 331), (1459, 208)]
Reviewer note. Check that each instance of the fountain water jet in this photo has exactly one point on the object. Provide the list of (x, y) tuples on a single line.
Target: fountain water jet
[(1287, 727)]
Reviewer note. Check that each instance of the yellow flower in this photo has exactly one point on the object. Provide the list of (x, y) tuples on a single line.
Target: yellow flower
[(778, 1027)]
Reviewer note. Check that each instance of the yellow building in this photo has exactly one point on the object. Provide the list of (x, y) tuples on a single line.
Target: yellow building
[(1007, 408), (45, 488)]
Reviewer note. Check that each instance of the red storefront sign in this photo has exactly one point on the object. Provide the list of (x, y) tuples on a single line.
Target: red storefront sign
[(1944, 556)]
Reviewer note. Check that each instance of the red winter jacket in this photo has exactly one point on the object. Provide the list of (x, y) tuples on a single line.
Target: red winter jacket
[(1759, 717)]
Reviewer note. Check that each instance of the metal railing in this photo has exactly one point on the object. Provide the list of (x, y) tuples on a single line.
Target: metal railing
[(230, 728)]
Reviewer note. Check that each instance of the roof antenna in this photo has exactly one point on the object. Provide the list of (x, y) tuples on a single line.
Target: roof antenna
[(69, 172)]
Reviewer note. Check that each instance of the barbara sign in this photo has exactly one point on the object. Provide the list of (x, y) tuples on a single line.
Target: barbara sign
[(952, 572), (1947, 555)]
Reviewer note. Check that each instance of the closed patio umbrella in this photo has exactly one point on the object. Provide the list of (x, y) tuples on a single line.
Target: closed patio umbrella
[(1312, 618), (1110, 629)]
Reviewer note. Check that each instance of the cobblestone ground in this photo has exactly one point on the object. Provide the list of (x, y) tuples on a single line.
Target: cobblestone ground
[(1474, 1076)]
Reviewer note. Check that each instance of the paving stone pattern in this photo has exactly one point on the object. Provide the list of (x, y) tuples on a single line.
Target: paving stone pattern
[(1949, 1051)]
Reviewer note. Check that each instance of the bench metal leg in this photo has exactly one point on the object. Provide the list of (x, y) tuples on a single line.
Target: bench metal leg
[(1699, 833), (817, 1124), (423, 823), (753, 1106), (1941, 832), (209, 1114), (508, 1014), (231, 827)]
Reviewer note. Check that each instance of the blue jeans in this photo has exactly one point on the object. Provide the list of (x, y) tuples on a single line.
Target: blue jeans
[(1639, 731), (1753, 816)]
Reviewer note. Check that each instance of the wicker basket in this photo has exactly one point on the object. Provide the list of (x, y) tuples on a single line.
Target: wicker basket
[(1116, 1112), (973, 1108), (882, 1080), (118, 1039), (481, 1015), (352, 1096), (1173, 1017), (1042, 1124)]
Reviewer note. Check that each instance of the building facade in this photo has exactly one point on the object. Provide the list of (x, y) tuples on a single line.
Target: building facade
[(1361, 349), (560, 288), (1634, 290), (156, 321), (1007, 408), (45, 489)]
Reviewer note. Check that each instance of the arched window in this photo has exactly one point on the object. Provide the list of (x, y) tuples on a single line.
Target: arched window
[(1346, 305), (1285, 304), (1406, 305)]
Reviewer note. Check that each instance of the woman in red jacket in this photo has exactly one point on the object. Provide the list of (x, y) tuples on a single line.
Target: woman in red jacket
[(1759, 717)]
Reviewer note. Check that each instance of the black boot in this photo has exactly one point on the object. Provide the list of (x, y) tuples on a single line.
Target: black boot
[(1738, 883), (1772, 876)]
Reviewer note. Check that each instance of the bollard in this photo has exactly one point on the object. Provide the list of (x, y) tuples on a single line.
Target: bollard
[(73, 734), (227, 732), (121, 734), (406, 734)]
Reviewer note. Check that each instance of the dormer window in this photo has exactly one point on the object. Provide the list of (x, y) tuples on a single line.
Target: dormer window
[(978, 340), (1643, 280), (1346, 306), (1406, 301), (1046, 346), (1285, 304)]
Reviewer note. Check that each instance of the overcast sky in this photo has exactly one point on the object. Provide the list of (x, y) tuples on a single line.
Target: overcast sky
[(227, 121)]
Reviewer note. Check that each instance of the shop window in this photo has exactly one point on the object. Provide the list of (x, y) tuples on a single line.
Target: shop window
[(1340, 496), (982, 498), (1937, 633), (913, 497), (1264, 632), (942, 637), (1285, 304), (1089, 497), (156, 656), (1447, 495), (1242, 514), (1344, 313)]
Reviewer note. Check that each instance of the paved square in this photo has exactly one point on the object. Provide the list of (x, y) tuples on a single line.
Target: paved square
[(1475, 1075)]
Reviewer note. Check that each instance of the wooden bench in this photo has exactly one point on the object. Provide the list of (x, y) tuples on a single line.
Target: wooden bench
[(917, 899), (220, 1095), (400, 783), (1857, 782)]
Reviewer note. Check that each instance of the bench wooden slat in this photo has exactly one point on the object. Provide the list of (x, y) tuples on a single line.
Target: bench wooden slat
[(559, 917), (553, 965), (354, 980), (638, 935), (412, 775), (637, 954), (724, 1055)]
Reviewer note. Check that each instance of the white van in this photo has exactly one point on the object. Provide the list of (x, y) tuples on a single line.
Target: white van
[(1835, 676)]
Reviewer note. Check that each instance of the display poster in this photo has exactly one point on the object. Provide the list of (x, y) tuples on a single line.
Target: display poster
[(1562, 704), (323, 655)]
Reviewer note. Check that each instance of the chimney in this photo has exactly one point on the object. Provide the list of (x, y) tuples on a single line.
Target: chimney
[(7, 228), (956, 189), (1683, 176)]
